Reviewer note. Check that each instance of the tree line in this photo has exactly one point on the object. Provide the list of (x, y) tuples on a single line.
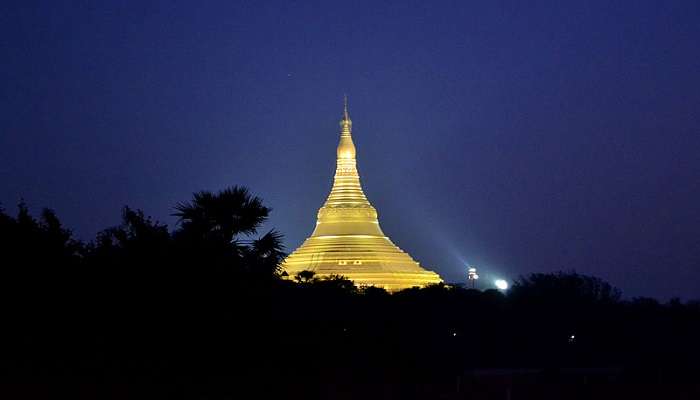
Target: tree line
[(204, 305)]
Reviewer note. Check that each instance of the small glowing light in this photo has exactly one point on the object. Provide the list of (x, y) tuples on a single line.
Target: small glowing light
[(501, 284), (472, 276), (454, 334)]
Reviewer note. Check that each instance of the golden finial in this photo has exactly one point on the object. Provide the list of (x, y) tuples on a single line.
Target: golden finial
[(346, 116)]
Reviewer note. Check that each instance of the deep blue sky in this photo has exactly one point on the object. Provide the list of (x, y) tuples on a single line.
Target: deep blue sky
[(517, 136)]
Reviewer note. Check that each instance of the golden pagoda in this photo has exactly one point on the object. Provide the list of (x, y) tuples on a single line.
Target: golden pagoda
[(347, 239)]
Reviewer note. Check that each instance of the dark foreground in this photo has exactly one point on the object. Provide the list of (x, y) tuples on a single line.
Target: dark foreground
[(201, 312), (328, 341)]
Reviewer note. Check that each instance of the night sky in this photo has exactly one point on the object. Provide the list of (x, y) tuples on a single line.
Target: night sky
[(515, 136)]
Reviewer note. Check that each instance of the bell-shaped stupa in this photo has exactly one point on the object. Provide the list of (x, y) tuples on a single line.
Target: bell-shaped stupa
[(347, 239)]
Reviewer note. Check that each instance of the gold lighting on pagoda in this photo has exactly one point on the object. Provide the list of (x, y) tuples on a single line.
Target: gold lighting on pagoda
[(347, 239)]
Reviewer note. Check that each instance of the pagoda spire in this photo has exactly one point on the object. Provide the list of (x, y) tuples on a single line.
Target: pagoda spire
[(346, 122), (347, 239), (346, 148), (346, 115)]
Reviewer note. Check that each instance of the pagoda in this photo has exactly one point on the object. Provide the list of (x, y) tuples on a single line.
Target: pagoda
[(348, 241)]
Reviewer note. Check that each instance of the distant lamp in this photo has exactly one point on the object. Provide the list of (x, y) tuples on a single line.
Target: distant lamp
[(472, 276), (501, 284)]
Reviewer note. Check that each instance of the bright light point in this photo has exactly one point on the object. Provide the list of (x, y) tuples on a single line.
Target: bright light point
[(501, 284)]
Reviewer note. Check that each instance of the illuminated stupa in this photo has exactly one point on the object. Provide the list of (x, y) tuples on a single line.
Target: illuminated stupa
[(347, 239)]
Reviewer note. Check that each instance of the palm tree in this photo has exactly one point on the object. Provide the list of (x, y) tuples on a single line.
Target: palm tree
[(231, 212), (221, 225), (265, 253)]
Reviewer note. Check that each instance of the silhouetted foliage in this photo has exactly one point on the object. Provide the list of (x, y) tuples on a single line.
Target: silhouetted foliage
[(305, 276), (214, 230), (138, 240), (223, 216), (565, 287), (205, 305), (28, 243), (336, 283)]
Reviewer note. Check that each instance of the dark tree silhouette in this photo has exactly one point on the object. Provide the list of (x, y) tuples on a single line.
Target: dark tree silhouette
[(29, 244), (215, 229), (305, 276), (264, 255), (334, 283), (222, 216), (568, 287), (137, 240), (203, 305)]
